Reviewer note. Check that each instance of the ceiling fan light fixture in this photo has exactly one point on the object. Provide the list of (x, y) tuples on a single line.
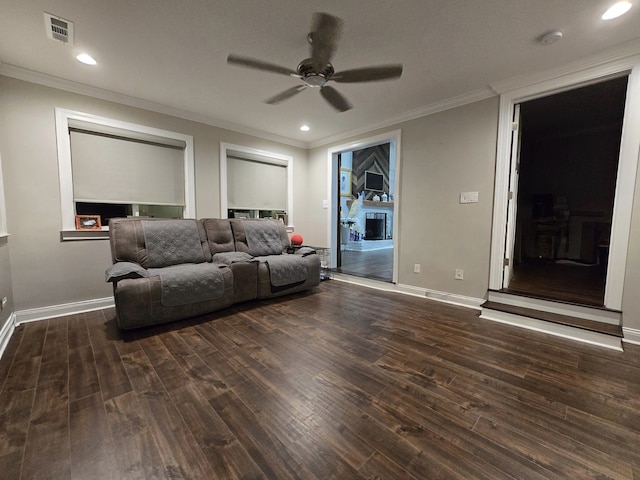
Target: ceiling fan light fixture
[(616, 10), (317, 71), (315, 81)]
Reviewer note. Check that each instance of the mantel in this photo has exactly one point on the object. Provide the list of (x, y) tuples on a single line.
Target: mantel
[(371, 203)]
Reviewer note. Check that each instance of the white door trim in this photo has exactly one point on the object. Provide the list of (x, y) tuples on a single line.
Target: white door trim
[(627, 167), (332, 190)]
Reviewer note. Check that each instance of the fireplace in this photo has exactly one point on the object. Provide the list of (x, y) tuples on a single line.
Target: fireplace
[(375, 226)]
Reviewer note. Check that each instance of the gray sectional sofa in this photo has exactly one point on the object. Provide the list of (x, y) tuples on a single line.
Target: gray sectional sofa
[(167, 270)]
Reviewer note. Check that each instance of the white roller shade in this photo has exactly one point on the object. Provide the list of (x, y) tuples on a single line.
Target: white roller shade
[(109, 169), (253, 184)]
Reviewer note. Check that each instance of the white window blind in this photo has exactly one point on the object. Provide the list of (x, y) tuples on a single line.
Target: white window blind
[(109, 168), (254, 184)]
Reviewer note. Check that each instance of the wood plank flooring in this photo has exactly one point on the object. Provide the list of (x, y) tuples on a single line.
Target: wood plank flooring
[(373, 264), (341, 382), (583, 285)]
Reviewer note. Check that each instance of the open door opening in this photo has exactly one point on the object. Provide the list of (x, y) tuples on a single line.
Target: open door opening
[(366, 216), (365, 195), (563, 185)]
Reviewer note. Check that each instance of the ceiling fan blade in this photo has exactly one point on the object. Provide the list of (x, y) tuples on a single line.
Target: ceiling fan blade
[(336, 100), (258, 65), (369, 74), (290, 92), (326, 31)]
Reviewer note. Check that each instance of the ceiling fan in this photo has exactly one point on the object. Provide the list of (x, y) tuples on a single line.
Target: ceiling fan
[(317, 71)]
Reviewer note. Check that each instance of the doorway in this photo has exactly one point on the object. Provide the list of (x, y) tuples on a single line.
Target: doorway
[(365, 196), (366, 212), (568, 147)]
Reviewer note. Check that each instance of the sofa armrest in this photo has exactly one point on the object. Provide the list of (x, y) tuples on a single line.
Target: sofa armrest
[(304, 251), (121, 270)]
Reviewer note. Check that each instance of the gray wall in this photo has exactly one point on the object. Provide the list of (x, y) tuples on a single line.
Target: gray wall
[(6, 289), (46, 271), (630, 297), (441, 155)]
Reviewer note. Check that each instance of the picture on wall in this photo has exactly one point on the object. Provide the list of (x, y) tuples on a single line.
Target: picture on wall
[(345, 182)]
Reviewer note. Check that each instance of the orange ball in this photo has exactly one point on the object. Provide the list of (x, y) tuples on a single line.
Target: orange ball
[(296, 239)]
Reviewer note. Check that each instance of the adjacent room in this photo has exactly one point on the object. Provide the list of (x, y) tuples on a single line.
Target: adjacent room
[(356, 240)]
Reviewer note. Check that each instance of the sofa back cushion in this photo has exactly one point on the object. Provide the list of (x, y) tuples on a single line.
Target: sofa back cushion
[(219, 235), (157, 243), (259, 237)]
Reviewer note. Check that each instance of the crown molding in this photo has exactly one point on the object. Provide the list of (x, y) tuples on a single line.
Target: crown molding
[(424, 111), (609, 62), (39, 78)]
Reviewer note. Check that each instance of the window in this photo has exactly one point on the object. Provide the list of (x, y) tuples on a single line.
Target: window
[(113, 169), (255, 183)]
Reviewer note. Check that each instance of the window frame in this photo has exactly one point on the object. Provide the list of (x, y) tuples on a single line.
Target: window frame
[(67, 205), (262, 156)]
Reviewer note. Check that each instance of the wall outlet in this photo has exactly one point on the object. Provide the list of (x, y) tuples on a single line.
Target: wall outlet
[(469, 197), (416, 268), (459, 274)]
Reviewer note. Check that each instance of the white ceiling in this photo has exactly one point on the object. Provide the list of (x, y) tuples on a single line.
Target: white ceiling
[(172, 53)]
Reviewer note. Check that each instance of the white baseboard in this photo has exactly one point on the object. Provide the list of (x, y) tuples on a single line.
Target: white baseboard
[(454, 299), (564, 331), (6, 331), (450, 298), (44, 313), (631, 335)]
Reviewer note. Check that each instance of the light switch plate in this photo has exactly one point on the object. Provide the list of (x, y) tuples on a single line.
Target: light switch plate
[(469, 197)]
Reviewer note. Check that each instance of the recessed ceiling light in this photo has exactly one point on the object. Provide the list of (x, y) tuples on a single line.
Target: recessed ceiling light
[(86, 59), (616, 10), (305, 128)]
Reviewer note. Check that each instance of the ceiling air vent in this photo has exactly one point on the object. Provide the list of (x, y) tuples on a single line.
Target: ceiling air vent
[(58, 28)]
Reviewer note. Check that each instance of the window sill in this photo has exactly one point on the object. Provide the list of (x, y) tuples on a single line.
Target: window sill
[(74, 235)]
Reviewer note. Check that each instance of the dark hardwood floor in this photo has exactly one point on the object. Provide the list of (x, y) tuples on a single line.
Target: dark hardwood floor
[(374, 264), (579, 284), (337, 383)]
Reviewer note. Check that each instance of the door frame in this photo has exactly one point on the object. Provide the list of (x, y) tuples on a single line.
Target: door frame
[(512, 205), (392, 137), (626, 177)]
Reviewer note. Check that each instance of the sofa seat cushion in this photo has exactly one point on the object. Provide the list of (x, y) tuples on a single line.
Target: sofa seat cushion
[(189, 283), (285, 269), (139, 302), (227, 258), (266, 289)]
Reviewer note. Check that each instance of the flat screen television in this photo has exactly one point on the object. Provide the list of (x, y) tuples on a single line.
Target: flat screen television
[(373, 181)]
